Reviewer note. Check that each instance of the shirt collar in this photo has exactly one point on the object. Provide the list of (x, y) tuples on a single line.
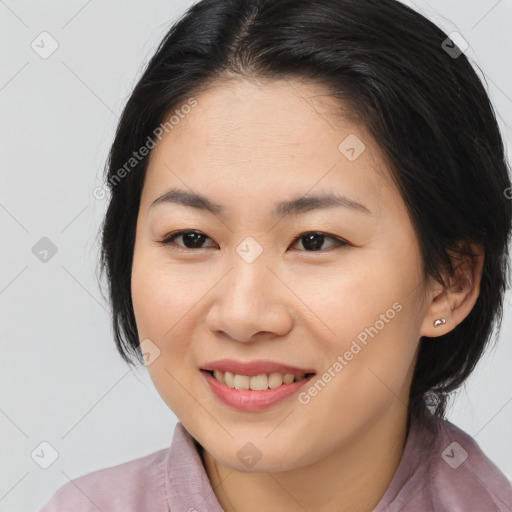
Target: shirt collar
[(189, 489), (187, 484)]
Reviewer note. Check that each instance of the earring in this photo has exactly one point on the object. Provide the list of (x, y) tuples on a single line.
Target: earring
[(439, 322)]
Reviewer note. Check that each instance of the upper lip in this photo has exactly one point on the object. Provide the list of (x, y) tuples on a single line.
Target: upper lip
[(253, 368)]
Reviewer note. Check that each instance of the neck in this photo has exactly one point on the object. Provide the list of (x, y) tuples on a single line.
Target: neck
[(352, 478)]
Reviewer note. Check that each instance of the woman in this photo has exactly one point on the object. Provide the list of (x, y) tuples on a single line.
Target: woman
[(306, 244)]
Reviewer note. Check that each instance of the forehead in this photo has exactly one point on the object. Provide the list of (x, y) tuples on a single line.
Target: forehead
[(266, 139)]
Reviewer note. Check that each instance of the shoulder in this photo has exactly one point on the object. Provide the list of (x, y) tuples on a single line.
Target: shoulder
[(138, 484), (463, 477)]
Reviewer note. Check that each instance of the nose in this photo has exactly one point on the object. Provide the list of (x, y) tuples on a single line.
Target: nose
[(250, 302)]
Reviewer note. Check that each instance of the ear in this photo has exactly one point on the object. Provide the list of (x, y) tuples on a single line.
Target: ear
[(455, 301)]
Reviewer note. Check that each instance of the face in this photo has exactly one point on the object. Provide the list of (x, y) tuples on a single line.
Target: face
[(335, 290)]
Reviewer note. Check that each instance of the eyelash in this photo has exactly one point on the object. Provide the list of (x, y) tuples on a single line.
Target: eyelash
[(169, 240)]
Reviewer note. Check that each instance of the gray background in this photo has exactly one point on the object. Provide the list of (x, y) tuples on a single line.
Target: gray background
[(61, 378)]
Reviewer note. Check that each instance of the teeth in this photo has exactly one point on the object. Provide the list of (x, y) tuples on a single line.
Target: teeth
[(258, 382), (217, 375), (229, 378), (287, 378), (241, 382), (275, 380)]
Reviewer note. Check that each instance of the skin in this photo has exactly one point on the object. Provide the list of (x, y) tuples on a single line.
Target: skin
[(248, 146)]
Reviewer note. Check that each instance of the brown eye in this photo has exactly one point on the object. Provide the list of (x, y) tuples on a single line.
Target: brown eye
[(314, 240), (191, 239)]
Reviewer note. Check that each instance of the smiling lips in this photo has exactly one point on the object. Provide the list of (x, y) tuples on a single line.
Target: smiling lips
[(256, 385), (253, 368)]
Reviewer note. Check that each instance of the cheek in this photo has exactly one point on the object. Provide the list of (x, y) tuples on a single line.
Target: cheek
[(149, 302), (163, 313), (371, 322), (348, 299), (159, 299), (164, 299), (361, 381)]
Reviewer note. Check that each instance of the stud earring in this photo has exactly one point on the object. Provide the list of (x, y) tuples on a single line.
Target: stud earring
[(439, 322)]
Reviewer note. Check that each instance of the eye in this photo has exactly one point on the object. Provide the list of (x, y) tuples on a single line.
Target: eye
[(191, 239), (312, 241), (315, 239)]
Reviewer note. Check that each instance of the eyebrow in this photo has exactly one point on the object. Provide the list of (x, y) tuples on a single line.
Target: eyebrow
[(294, 206)]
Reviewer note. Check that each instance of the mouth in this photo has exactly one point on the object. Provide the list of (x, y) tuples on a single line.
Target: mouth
[(259, 382), (254, 392)]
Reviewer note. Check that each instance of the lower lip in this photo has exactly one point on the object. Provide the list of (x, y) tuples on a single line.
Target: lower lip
[(248, 400)]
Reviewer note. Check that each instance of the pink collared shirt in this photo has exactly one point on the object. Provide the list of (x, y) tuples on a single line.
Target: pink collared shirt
[(447, 473)]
